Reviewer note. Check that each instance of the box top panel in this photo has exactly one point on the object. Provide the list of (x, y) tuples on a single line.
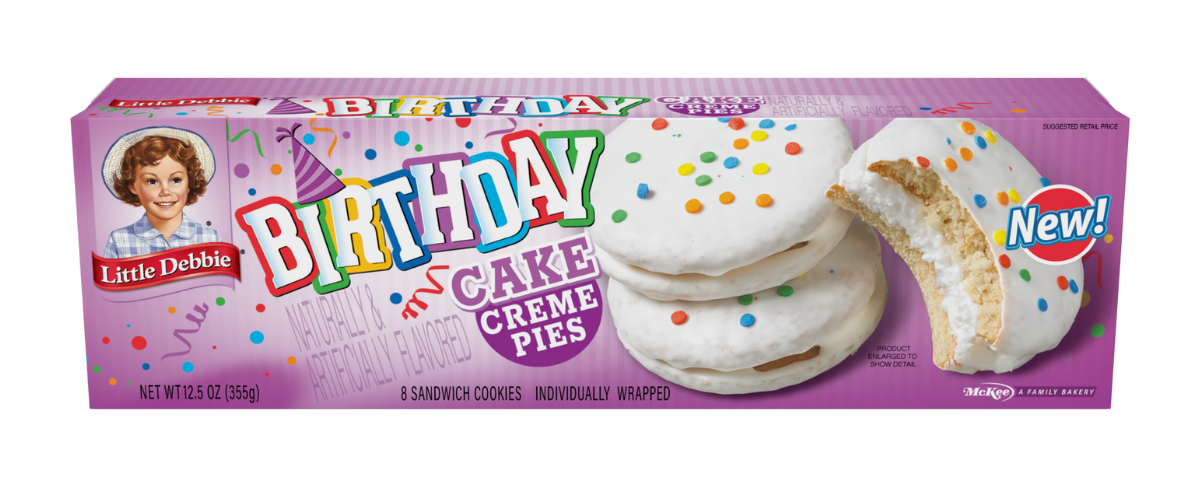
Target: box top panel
[(637, 97)]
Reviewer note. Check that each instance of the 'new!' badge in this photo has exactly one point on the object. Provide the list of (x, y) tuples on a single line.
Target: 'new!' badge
[(1058, 224)]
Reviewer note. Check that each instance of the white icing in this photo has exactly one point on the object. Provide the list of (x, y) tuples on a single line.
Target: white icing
[(1025, 330), (659, 235), (712, 337), (834, 349), (766, 273)]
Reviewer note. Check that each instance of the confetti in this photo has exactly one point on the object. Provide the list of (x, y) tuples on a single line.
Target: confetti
[(965, 154), (923, 162), (968, 128), (703, 180), (260, 308), (1014, 196), (1087, 299), (763, 200), (401, 138), (990, 136), (731, 162), (370, 154), (747, 320), (726, 198), (737, 123), (462, 122), (693, 206), (1025, 275), (784, 291), (686, 169), (276, 169), (792, 148), (1074, 287), (1042, 305), (758, 136), (633, 157), (1002, 197), (980, 142), (256, 337), (1005, 261), (980, 201), (761, 169), (241, 170), (188, 366), (746, 300), (767, 123), (659, 124), (679, 317), (708, 157), (1062, 282), (740, 144), (951, 165), (104, 340), (1097, 330), (790, 127), (291, 360), (1108, 238), (396, 298), (1000, 236), (619, 215), (138, 342)]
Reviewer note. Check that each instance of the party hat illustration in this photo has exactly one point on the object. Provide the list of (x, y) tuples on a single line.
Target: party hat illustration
[(287, 107), (314, 181)]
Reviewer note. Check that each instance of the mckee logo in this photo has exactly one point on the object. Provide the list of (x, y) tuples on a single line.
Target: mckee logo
[(713, 105), (996, 391)]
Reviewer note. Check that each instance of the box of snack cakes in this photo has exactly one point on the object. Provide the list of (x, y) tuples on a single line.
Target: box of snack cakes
[(600, 243)]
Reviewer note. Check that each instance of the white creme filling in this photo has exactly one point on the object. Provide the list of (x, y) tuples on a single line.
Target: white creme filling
[(900, 209)]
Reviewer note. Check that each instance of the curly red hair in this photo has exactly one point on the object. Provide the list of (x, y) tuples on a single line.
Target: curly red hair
[(150, 151)]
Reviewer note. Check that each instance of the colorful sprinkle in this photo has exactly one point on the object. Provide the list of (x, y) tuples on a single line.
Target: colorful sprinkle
[(1045, 182), (723, 119), (726, 198), (708, 157), (965, 154), (1005, 261), (747, 320), (1017, 110), (370, 154), (1014, 196), (1002, 197), (1108, 238), (990, 136), (746, 300), (1087, 299), (188, 366), (737, 123), (1097, 330), (703, 180), (980, 201), (619, 216), (763, 200), (1025, 275), (679, 317), (396, 298), (256, 337), (792, 148), (979, 141), (784, 291), (1000, 236), (758, 136), (923, 162), (633, 157), (948, 143), (968, 128), (686, 169), (693, 206), (768, 123), (731, 162), (138, 342), (1062, 282), (1074, 287), (659, 124), (401, 138), (1043, 305), (740, 144), (951, 165), (761, 169), (790, 127), (643, 190)]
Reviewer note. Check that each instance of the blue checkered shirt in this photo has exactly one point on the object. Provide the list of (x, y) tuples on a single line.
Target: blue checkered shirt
[(141, 238)]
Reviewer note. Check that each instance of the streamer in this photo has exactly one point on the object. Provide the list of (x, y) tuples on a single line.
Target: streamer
[(409, 313), (323, 129)]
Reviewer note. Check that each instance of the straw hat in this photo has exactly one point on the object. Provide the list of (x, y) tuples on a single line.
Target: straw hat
[(112, 162)]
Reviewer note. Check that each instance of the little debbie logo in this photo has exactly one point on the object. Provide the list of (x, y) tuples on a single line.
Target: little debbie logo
[(1058, 224)]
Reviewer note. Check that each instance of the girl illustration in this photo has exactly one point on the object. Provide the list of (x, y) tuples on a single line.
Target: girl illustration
[(160, 169)]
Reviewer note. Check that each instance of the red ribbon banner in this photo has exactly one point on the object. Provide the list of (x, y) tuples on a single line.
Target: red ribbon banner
[(194, 101), (205, 259)]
